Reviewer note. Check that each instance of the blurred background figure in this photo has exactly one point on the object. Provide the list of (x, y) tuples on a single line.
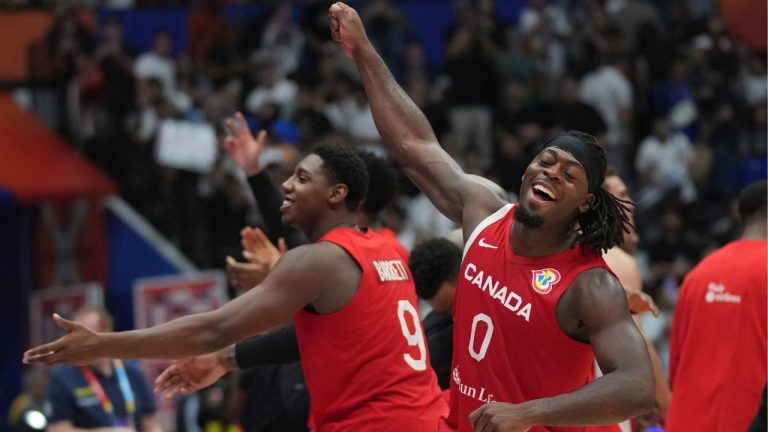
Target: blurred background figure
[(27, 409), (719, 329), (110, 394)]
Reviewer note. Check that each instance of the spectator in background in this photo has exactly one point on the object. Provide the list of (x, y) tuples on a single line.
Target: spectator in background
[(415, 67), (310, 119), (115, 58), (753, 79), (609, 91), (718, 341), (470, 65), (675, 96), (672, 253), (663, 164), (158, 63), (69, 43), (107, 97), (511, 161), (108, 394), (629, 16), (274, 95), (224, 62), (387, 29), (546, 25), (206, 27), (282, 39), (26, 411), (568, 112)]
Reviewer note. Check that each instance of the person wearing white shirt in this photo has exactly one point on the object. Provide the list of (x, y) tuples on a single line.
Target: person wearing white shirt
[(663, 163)]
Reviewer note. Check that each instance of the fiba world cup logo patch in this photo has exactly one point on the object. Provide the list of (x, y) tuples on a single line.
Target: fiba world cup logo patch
[(543, 280)]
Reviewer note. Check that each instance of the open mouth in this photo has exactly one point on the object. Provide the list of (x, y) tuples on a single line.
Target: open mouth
[(543, 193), (286, 203)]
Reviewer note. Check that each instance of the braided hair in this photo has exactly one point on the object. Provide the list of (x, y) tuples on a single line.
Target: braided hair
[(604, 224)]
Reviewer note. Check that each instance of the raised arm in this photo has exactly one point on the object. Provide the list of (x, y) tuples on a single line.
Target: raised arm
[(291, 285), (626, 390), (406, 132), (245, 150)]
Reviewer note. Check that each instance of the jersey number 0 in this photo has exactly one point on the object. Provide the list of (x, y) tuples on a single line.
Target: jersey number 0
[(485, 319)]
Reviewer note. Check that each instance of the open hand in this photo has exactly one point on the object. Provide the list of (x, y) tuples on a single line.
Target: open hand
[(78, 347), (640, 302), (346, 28), (187, 376), (246, 275), (258, 249), (242, 147)]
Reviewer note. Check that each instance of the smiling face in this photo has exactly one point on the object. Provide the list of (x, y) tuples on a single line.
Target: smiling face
[(554, 189), (306, 193)]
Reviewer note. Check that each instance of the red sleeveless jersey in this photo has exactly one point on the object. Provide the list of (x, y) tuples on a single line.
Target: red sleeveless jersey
[(367, 365), (718, 341), (507, 344)]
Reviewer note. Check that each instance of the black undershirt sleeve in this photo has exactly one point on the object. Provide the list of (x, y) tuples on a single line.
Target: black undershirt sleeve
[(279, 346), (269, 198)]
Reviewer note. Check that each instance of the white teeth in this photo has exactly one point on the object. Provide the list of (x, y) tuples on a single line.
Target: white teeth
[(544, 190)]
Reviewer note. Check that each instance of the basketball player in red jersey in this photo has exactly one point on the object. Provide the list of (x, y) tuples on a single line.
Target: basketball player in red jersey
[(534, 299), (351, 298), (717, 362)]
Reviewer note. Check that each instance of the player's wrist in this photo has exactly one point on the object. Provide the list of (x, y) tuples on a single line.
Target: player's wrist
[(362, 48), (534, 411), (228, 358)]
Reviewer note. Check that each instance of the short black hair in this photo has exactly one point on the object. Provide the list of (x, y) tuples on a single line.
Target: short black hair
[(382, 182), (343, 165), (433, 262), (752, 199)]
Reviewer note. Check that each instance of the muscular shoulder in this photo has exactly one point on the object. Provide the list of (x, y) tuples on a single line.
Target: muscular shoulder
[(325, 270), (596, 282), (593, 299), (314, 256)]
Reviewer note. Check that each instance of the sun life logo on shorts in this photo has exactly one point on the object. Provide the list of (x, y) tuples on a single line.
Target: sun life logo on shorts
[(543, 280)]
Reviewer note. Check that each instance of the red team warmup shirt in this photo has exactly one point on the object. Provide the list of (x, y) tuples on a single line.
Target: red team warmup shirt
[(367, 365), (507, 345), (717, 364)]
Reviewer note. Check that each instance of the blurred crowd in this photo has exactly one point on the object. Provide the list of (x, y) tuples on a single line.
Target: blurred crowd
[(680, 106)]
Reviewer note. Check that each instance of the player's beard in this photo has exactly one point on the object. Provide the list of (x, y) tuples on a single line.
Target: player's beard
[(526, 217)]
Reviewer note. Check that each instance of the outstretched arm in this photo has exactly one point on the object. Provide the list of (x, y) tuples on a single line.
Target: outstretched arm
[(406, 132), (291, 285)]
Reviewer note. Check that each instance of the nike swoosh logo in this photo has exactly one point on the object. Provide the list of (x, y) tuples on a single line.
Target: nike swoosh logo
[(482, 243)]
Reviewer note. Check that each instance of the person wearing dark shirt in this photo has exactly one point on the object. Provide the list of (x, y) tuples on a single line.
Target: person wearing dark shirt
[(435, 265), (108, 395)]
